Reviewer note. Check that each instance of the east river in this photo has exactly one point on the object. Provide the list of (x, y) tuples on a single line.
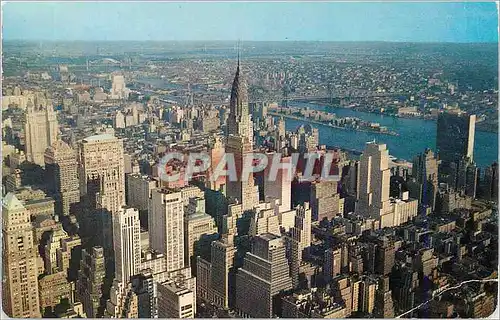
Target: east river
[(414, 135)]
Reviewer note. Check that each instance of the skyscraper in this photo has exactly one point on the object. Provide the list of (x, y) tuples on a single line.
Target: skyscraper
[(101, 164), (62, 176), (384, 256), (300, 239), (118, 88), (333, 262), (126, 243), (199, 231), (455, 136), (239, 134), (490, 183), (166, 226), (122, 302), (90, 282), (373, 188), (222, 273), (425, 170), (145, 288), (264, 274), (384, 306), (324, 200), (119, 120), (102, 184), (281, 187), (373, 181), (466, 177), (20, 297), (40, 130), (454, 141), (139, 188), (239, 122)]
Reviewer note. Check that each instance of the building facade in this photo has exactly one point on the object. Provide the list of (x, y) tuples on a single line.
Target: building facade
[(20, 297), (126, 243), (264, 274), (40, 130), (62, 176), (166, 226)]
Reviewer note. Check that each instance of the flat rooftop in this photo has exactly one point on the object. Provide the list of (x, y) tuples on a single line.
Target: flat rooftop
[(268, 236), (100, 137)]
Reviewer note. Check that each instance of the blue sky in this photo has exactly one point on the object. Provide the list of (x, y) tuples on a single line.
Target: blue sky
[(261, 21)]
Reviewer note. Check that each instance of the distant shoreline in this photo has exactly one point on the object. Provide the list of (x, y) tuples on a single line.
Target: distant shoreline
[(479, 127), (278, 114)]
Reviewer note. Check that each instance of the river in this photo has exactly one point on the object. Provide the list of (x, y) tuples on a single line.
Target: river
[(414, 135)]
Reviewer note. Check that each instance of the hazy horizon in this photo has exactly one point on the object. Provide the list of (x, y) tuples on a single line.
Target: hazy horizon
[(399, 22), (235, 41)]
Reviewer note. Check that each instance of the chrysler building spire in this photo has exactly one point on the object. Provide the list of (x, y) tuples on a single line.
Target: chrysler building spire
[(239, 121)]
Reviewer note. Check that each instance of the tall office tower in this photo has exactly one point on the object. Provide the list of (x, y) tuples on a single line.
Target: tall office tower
[(308, 138), (367, 289), (333, 263), (122, 302), (466, 177), (454, 140), (139, 189), (204, 280), (264, 274), (300, 240), (324, 200), (490, 183), (166, 226), (350, 179), (279, 187), (175, 301), (267, 219), (355, 259), (425, 171), (40, 130), (369, 251), (101, 162), (216, 152), (199, 231), (62, 176), (384, 256), (102, 183), (119, 120), (222, 273), (51, 249), (373, 181), (455, 136), (384, 306), (189, 192), (145, 287), (118, 88), (19, 258), (404, 281), (126, 243), (240, 143), (239, 122), (259, 111), (281, 127), (90, 282)]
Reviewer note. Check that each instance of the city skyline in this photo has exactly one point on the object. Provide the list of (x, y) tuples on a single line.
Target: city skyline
[(256, 21), (288, 179)]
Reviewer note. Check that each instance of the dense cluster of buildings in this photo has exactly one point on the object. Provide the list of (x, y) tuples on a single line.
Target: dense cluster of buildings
[(91, 229)]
